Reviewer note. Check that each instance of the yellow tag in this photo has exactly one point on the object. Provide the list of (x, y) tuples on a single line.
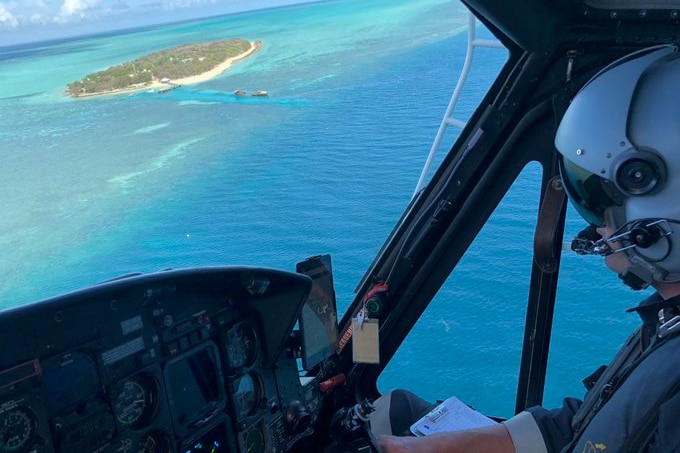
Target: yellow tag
[(365, 342)]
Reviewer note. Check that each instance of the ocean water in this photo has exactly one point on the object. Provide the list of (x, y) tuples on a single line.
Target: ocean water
[(100, 187)]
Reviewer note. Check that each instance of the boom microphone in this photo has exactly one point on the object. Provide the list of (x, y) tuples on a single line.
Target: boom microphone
[(585, 240)]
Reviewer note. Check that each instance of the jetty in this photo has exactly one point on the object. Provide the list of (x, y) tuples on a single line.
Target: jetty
[(170, 87)]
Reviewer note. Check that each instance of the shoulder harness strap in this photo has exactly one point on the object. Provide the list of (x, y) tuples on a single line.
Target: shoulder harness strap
[(627, 360)]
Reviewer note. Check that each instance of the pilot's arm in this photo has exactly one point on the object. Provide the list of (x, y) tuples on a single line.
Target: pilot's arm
[(490, 439), (536, 430)]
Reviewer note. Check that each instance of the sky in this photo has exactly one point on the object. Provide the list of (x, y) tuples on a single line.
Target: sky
[(24, 21)]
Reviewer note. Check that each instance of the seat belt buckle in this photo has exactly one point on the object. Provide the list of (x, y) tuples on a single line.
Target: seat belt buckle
[(668, 327)]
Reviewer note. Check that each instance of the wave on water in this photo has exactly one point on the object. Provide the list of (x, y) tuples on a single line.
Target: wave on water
[(176, 151), (152, 128)]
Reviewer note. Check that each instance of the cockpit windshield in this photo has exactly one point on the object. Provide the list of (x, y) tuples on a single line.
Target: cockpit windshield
[(296, 149), (205, 160)]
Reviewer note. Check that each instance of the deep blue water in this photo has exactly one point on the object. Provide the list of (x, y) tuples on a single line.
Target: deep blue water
[(96, 188)]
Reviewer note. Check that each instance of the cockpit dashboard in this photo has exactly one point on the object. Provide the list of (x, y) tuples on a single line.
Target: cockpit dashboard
[(178, 361)]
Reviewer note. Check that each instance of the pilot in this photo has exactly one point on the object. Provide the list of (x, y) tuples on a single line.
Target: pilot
[(619, 145)]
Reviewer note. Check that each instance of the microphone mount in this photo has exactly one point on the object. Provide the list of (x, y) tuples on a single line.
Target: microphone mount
[(641, 233)]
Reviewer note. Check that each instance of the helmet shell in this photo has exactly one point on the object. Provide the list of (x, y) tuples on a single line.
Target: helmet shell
[(622, 129)]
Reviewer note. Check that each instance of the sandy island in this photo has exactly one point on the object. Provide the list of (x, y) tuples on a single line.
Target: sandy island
[(156, 84)]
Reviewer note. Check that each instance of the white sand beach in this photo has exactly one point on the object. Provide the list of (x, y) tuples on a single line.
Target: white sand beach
[(219, 69)]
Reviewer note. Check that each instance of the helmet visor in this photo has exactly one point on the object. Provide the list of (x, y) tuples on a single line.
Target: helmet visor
[(587, 192)]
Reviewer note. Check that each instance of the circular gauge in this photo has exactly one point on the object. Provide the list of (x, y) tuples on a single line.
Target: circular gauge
[(248, 393), (242, 346), (135, 401), (17, 429), (253, 440), (155, 441)]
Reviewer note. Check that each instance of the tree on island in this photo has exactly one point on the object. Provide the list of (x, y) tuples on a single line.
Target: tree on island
[(176, 63)]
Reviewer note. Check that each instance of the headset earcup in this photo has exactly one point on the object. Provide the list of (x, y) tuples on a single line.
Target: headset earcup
[(644, 236)]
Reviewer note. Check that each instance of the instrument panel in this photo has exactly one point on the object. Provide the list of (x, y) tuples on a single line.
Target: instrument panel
[(179, 361)]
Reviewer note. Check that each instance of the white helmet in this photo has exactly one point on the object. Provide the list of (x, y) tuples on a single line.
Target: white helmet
[(620, 146)]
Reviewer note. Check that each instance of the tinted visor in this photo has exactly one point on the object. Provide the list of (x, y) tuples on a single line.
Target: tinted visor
[(587, 192)]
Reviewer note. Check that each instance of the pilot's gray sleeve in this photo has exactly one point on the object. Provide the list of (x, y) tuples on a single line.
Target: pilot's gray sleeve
[(525, 434), (539, 430)]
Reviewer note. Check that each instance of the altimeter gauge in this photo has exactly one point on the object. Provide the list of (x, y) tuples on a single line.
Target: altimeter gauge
[(253, 440), (242, 347), (248, 393), (18, 428), (155, 441), (135, 401)]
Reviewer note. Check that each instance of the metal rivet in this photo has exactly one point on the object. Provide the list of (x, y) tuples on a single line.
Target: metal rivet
[(556, 184), (614, 14), (609, 155), (622, 143), (643, 13), (579, 152)]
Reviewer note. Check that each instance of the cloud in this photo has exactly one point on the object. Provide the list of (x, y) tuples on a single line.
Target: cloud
[(151, 5), (120, 5), (170, 5), (7, 19), (30, 20), (16, 14), (173, 4), (38, 18), (76, 9)]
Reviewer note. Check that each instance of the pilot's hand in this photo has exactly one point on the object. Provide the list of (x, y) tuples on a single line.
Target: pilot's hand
[(490, 439), (398, 444)]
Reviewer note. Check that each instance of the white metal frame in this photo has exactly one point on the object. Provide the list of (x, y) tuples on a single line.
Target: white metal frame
[(448, 119)]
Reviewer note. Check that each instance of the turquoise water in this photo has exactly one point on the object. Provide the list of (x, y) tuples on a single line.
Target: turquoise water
[(96, 188)]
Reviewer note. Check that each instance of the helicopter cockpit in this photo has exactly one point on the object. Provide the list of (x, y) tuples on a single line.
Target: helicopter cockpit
[(252, 359)]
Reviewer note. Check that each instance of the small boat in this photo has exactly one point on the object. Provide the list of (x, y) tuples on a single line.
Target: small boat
[(239, 92), (260, 93)]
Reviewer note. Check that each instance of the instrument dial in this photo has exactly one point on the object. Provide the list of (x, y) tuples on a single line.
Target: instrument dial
[(242, 347), (17, 429), (154, 442), (253, 440), (248, 393), (135, 401)]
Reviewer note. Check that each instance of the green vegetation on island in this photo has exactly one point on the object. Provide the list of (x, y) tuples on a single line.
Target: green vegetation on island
[(172, 64)]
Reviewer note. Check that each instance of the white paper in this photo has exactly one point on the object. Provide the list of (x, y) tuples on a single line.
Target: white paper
[(451, 415), (365, 341)]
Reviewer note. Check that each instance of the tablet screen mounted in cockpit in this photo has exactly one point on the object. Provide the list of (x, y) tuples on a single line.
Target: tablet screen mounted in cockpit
[(318, 319)]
